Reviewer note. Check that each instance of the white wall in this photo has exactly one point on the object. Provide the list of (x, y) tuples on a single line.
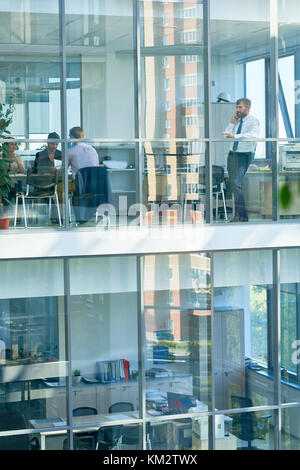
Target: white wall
[(103, 331)]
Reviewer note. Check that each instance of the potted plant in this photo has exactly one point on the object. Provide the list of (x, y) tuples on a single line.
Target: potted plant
[(6, 184), (76, 376)]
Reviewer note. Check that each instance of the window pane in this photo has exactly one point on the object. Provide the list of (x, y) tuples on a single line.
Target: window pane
[(289, 308), (243, 331), (250, 431), (172, 69), (103, 434), (238, 35), (179, 434), (255, 86), (103, 183), (177, 320), (100, 71), (289, 196), (290, 429), (174, 190), (288, 64), (32, 344), (36, 197), (289, 105), (30, 66), (104, 335)]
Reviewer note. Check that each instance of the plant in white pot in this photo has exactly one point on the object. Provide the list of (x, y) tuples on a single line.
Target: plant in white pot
[(76, 376), (6, 183)]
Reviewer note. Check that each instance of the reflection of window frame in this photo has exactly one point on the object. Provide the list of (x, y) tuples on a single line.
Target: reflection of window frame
[(166, 62), (165, 19), (190, 80), (292, 375), (189, 12), (191, 121), (166, 84), (188, 59), (283, 108), (189, 36), (35, 328), (288, 374), (170, 300)]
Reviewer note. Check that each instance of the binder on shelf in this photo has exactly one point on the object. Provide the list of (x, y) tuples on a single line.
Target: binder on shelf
[(112, 371)]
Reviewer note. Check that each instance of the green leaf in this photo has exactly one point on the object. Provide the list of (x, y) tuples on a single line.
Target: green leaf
[(285, 196)]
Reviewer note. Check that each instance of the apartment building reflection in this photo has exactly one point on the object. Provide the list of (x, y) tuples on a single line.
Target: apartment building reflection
[(178, 318), (172, 100)]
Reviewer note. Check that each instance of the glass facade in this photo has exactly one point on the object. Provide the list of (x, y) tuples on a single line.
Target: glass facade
[(157, 361), (127, 113), (151, 88)]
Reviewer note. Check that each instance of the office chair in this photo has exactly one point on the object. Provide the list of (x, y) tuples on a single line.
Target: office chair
[(120, 406), (38, 187), (218, 186), (84, 411), (109, 438), (124, 436), (246, 426), (84, 440), (11, 422), (90, 192)]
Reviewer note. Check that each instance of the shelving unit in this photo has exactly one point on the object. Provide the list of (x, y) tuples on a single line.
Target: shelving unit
[(122, 183)]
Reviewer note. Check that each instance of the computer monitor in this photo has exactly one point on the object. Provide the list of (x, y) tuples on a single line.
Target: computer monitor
[(179, 402)]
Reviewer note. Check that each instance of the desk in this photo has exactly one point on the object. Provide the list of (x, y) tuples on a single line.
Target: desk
[(258, 191), (21, 177), (175, 433), (228, 442), (53, 439)]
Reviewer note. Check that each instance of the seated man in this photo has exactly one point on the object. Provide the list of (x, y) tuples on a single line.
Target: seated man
[(44, 160), (81, 155)]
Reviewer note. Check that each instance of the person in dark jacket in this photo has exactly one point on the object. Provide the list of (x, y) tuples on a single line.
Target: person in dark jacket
[(44, 160)]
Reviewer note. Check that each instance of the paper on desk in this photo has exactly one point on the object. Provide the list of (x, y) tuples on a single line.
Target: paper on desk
[(118, 417), (59, 423)]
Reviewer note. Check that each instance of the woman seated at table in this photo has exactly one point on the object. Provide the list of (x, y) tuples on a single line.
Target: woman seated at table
[(15, 166)]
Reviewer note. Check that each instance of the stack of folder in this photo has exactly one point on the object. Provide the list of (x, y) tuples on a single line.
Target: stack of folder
[(113, 371)]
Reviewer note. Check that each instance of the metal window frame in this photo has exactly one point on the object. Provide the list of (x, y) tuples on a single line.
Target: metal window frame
[(274, 86)]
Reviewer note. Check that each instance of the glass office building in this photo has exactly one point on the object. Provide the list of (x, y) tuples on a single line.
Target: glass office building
[(138, 316)]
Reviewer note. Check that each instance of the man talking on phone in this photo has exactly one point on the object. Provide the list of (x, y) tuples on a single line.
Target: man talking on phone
[(242, 126)]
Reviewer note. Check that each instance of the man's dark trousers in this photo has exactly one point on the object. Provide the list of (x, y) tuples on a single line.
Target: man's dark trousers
[(237, 165)]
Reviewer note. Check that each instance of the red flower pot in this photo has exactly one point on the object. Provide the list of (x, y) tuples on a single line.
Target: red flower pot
[(4, 223)]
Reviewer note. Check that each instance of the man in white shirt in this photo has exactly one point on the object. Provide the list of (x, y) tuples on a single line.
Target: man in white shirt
[(242, 126), (81, 155)]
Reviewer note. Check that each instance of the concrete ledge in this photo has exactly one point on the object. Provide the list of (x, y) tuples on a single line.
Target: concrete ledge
[(31, 243)]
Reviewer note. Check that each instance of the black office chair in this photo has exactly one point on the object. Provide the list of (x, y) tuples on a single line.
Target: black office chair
[(129, 434), (39, 187), (90, 192), (84, 411), (12, 422), (218, 186), (120, 406), (247, 426), (84, 440), (110, 437)]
